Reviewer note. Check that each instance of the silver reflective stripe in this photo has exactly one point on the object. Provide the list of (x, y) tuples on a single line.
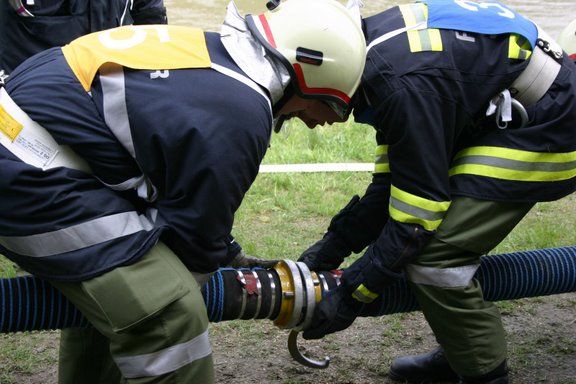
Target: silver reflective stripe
[(133, 183), (441, 277), (516, 164), (78, 236), (141, 184), (243, 79), (116, 117), (396, 32), (165, 361), (416, 211), (382, 159), (425, 42), (114, 104)]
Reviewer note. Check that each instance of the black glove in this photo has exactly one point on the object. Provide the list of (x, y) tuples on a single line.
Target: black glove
[(237, 258), (241, 260), (326, 254), (336, 312)]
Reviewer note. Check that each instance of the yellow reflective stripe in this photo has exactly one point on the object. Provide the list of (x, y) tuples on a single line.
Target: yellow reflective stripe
[(420, 202), (517, 154), (408, 208), (382, 168), (381, 163), (403, 217), (514, 164), (381, 149), (510, 174), (518, 47), (425, 40), (364, 295), (414, 41), (414, 13), (435, 40)]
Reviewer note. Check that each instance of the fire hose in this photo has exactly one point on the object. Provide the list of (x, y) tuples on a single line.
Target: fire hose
[(287, 294)]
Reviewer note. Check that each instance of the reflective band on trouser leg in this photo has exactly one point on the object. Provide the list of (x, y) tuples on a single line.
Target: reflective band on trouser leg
[(442, 277), (154, 315), (167, 360), (468, 328), (408, 208)]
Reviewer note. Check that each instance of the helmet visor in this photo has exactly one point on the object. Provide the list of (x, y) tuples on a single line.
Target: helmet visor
[(341, 111)]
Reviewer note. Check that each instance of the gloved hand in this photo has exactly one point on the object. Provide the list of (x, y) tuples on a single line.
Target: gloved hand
[(241, 260), (336, 312), (326, 254)]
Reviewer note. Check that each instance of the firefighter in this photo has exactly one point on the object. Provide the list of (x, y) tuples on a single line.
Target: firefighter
[(567, 39), (474, 109), (28, 27), (126, 153)]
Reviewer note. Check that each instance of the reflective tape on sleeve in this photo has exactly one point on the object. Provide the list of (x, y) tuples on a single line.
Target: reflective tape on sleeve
[(408, 208), (364, 295), (381, 163)]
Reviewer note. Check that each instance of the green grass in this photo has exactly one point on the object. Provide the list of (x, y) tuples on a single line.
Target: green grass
[(283, 214)]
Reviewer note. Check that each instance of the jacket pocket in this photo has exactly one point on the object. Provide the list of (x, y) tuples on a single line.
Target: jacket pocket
[(130, 295)]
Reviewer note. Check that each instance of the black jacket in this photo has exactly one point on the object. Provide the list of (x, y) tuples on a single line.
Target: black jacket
[(57, 22)]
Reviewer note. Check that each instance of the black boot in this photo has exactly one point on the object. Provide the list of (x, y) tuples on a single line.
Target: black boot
[(431, 367), (496, 376)]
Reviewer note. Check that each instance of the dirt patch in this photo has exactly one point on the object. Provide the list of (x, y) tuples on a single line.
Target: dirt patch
[(541, 339)]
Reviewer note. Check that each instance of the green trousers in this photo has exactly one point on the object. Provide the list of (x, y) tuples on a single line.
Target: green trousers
[(150, 326), (468, 328)]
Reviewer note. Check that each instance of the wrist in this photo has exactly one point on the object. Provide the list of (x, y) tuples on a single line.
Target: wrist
[(335, 248), (366, 280)]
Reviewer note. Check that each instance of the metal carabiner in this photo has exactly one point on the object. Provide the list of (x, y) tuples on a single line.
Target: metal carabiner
[(299, 357), (521, 111)]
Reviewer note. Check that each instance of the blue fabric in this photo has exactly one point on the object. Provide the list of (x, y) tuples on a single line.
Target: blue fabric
[(490, 18)]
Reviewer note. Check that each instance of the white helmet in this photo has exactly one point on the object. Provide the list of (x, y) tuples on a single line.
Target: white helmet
[(567, 38), (321, 44)]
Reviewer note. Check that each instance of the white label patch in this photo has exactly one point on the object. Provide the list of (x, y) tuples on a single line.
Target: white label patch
[(44, 153), (26, 139)]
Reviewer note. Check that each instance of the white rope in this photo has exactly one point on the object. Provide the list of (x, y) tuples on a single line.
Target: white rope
[(322, 167)]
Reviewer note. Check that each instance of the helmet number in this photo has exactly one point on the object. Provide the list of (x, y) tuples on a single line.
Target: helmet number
[(139, 35), (474, 6)]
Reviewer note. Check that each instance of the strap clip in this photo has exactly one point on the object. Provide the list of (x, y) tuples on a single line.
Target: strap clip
[(501, 107)]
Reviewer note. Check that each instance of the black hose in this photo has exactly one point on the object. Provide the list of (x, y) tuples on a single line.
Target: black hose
[(28, 303)]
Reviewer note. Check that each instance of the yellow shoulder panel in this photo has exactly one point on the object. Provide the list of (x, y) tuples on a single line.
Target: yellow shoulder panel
[(139, 47)]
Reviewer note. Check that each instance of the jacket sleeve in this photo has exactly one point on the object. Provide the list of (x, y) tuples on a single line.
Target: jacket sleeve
[(149, 12), (419, 129), (360, 225)]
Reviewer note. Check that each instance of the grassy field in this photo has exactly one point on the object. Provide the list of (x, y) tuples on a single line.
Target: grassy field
[(283, 214)]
